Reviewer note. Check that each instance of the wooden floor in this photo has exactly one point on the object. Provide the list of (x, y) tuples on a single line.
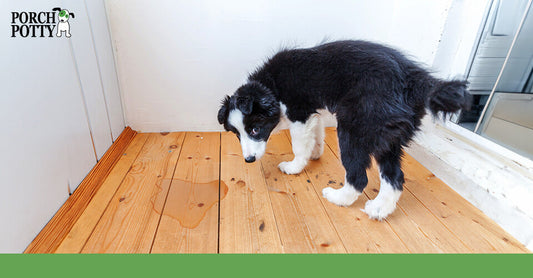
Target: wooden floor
[(164, 196)]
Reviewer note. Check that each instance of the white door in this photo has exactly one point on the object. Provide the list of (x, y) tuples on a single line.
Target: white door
[(52, 98)]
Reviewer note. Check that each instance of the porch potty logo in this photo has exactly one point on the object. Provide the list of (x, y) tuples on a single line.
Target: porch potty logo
[(41, 24)]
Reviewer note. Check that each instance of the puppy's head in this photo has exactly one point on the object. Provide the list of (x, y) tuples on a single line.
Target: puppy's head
[(251, 113)]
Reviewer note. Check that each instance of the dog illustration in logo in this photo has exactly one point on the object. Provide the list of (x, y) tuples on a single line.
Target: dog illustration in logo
[(63, 25)]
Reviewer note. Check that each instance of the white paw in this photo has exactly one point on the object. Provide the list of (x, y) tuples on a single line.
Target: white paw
[(291, 167), (317, 151), (340, 197), (379, 209)]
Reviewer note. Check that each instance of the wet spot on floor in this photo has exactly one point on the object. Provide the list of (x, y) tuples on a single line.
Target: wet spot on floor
[(190, 201)]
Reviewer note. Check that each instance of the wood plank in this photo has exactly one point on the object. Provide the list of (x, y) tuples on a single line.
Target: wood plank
[(189, 223), (247, 222), (358, 233), (55, 231), (303, 224), (82, 229), (417, 238), (130, 221), (411, 211), (466, 221)]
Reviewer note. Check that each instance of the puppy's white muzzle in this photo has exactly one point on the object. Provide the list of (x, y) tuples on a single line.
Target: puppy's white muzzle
[(251, 149)]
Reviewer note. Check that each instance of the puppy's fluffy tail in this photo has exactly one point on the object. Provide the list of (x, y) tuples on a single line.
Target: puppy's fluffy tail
[(449, 97)]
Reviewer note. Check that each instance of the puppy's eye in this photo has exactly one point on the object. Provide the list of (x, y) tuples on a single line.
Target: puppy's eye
[(254, 131)]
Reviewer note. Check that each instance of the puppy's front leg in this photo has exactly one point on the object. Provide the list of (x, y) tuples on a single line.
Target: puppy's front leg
[(303, 142)]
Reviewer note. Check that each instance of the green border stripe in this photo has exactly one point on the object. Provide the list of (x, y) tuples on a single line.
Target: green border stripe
[(449, 266)]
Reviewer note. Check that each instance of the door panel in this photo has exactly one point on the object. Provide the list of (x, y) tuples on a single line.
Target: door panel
[(89, 74), (39, 106), (51, 98), (502, 23), (104, 54)]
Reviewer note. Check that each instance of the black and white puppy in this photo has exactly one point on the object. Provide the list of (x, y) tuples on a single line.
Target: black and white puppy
[(377, 95)]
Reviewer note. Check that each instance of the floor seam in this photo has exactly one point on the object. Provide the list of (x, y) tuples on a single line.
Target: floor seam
[(271, 207), (219, 181), (168, 192)]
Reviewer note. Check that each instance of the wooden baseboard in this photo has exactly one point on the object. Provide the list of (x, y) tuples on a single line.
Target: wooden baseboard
[(51, 236)]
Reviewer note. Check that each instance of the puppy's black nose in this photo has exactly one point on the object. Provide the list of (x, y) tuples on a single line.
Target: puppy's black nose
[(250, 159)]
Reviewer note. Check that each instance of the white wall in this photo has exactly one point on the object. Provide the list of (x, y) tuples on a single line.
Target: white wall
[(45, 140), (177, 59)]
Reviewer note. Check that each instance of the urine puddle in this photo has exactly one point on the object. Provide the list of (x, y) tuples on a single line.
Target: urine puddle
[(188, 202)]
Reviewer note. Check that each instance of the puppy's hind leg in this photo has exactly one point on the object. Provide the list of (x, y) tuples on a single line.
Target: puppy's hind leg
[(320, 134), (391, 185), (303, 142), (355, 160)]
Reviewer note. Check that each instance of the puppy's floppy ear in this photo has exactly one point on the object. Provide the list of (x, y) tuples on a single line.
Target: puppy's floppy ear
[(222, 113), (269, 104), (245, 104)]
